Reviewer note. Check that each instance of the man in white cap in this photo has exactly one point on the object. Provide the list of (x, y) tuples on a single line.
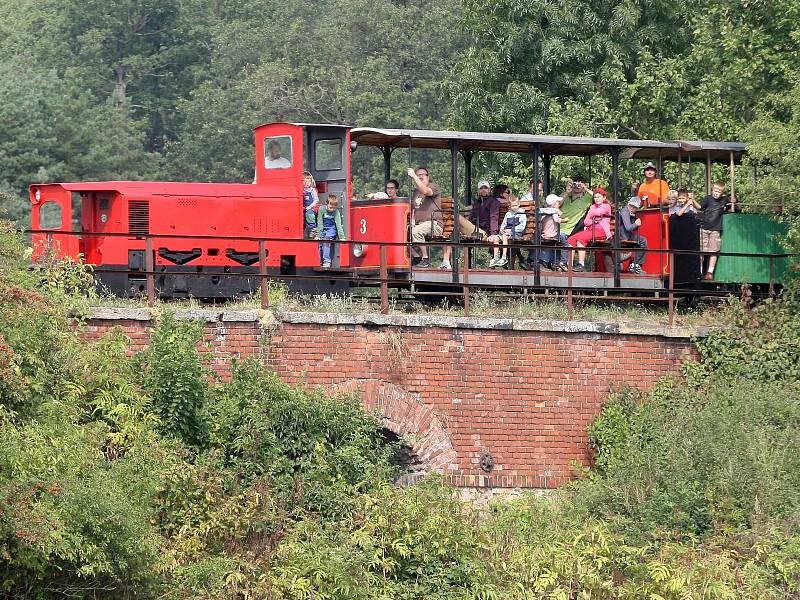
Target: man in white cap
[(653, 191), (629, 225), (485, 211)]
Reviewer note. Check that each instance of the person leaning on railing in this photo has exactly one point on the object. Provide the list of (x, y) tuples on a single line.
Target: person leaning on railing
[(713, 206)]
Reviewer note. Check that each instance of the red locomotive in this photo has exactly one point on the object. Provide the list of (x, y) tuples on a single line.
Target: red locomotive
[(207, 218)]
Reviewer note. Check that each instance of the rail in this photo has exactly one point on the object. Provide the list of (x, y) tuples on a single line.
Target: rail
[(460, 285)]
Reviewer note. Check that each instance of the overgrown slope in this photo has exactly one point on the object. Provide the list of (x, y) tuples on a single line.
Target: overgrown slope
[(141, 477)]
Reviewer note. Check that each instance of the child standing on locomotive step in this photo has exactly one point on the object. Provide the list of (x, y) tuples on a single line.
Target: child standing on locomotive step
[(310, 203), (513, 227), (329, 227)]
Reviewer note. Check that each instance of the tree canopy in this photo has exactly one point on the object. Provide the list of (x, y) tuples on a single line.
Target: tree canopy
[(172, 90)]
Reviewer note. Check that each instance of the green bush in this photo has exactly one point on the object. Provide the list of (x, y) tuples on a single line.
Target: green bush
[(694, 460), (72, 521), (174, 377), (316, 450), (762, 344), (419, 542)]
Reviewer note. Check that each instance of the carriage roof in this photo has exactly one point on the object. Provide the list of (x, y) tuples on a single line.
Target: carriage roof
[(548, 144)]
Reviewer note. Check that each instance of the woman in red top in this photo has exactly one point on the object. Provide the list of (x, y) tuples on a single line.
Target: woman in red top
[(597, 226)]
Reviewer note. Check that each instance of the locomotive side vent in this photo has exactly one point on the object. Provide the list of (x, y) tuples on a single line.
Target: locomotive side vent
[(139, 217)]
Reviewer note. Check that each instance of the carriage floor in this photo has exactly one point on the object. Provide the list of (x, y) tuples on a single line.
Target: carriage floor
[(554, 279)]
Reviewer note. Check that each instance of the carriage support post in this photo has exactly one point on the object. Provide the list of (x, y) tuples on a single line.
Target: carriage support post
[(466, 288), (570, 304), (615, 195), (384, 276), (262, 271), (733, 182), (537, 230), (387, 162), (150, 267), (771, 276), (671, 283), (456, 237), (547, 161)]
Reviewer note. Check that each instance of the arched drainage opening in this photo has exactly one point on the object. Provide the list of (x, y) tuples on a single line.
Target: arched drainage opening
[(410, 467)]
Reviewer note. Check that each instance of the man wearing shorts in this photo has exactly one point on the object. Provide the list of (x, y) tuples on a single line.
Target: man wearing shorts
[(426, 218), (713, 207)]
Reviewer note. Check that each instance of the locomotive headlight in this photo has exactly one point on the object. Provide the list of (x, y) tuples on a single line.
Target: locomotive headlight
[(37, 194), (103, 218), (359, 250)]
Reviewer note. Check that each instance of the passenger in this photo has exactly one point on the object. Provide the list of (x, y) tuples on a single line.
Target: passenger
[(274, 159), (597, 226), (502, 192), (392, 188), (483, 222), (310, 204), (653, 191), (686, 203), (329, 227), (672, 201), (512, 228), (426, 218), (551, 258), (713, 206), (528, 196), (576, 200), (484, 214), (629, 229)]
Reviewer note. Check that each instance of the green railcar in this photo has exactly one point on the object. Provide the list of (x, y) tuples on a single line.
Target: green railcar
[(751, 233)]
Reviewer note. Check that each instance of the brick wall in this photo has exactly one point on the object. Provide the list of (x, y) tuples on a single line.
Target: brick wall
[(522, 392)]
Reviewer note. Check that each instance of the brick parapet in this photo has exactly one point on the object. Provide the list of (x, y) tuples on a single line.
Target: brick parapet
[(523, 391)]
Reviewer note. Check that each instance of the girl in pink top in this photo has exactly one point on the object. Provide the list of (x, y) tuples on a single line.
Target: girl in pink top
[(597, 226)]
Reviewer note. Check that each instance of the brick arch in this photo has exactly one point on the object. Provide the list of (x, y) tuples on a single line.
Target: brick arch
[(402, 413)]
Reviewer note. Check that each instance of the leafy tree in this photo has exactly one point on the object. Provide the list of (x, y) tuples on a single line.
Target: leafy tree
[(528, 58)]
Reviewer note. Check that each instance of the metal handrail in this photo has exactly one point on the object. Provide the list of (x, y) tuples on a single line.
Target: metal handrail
[(383, 278)]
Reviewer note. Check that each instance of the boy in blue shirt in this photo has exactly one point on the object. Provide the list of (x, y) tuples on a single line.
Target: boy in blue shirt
[(329, 227)]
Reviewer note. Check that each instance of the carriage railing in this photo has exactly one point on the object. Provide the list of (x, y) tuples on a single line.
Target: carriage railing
[(460, 286)]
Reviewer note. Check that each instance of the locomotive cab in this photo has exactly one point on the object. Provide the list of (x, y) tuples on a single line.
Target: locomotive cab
[(284, 151)]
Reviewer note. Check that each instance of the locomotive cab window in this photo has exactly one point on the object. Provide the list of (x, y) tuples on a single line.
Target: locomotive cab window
[(328, 155), (50, 216), (278, 152)]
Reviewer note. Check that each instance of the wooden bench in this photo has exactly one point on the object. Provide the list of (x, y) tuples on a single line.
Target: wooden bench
[(448, 221)]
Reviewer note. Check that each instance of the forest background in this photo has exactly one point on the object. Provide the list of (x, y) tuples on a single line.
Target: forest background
[(171, 89), (140, 476)]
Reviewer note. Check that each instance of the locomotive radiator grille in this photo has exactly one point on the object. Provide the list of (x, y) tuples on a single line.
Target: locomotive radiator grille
[(139, 217)]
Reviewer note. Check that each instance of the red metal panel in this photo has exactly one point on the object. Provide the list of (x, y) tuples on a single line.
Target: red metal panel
[(294, 173), (64, 246), (655, 229), (373, 222)]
